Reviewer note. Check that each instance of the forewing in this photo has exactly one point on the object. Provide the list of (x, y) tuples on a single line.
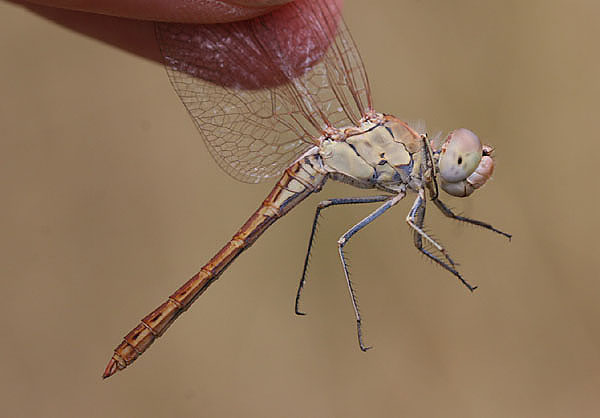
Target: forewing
[(261, 91)]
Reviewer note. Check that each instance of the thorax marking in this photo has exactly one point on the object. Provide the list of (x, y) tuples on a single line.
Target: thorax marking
[(380, 155)]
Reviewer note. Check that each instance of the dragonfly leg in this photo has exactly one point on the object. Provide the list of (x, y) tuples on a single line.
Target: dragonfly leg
[(325, 204), (446, 211), (416, 219), (344, 240)]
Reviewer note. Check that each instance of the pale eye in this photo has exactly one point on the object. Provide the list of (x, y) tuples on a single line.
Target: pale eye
[(460, 155)]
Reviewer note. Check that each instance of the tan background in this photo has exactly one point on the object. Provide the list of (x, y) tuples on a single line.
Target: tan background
[(110, 201)]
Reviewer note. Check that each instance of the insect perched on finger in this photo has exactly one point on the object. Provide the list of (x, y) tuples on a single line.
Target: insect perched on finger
[(287, 95)]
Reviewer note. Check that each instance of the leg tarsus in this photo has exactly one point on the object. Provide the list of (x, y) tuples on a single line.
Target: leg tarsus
[(361, 343), (416, 219), (450, 269), (448, 212)]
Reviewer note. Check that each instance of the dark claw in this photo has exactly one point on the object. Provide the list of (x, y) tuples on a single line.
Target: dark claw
[(471, 288), (463, 281), (362, 346)]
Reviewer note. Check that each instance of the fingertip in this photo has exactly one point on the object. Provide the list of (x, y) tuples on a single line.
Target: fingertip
[(181, 11), (258, 3)]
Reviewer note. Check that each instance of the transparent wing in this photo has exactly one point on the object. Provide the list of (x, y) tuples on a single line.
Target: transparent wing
[(261, 91)]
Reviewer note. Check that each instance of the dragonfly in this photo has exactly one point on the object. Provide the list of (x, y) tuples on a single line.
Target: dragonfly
[(286, 95)]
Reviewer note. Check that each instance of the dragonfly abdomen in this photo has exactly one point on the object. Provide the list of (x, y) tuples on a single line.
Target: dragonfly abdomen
[(302, 178)]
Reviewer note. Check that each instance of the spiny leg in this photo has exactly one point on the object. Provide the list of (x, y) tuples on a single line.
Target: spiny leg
[(446, 211), (325, 204), (344, 240), (416, 219), (418, 212)]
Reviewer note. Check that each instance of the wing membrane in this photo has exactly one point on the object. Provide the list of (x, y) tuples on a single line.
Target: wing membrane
[(260, 91)]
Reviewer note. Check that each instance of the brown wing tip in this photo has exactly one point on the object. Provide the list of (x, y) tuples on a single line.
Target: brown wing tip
[(111, 368)]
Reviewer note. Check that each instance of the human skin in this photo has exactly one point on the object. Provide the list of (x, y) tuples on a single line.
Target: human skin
[(127, 24), (104, 20)]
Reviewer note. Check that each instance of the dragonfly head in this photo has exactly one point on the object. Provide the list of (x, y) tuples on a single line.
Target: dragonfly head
[(464, 163)]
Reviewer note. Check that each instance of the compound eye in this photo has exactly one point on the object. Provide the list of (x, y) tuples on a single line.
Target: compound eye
[(460, 155)]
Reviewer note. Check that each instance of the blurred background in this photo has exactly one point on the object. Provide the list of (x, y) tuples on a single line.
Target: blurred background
[(110, 201)]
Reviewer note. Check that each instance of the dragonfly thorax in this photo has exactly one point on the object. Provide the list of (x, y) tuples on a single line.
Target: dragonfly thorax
[(383, 154)]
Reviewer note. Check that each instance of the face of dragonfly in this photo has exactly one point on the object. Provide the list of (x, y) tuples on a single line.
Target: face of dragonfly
[(464, 164)]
